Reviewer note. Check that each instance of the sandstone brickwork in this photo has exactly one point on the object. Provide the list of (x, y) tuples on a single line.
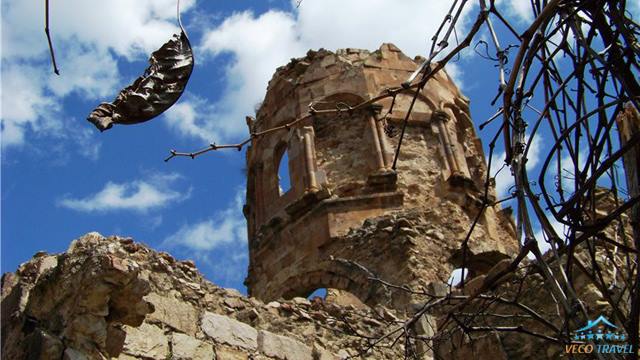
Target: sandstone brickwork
[(341, 175)]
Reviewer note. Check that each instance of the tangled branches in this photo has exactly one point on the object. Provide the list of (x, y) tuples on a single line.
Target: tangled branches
[(574, 82)]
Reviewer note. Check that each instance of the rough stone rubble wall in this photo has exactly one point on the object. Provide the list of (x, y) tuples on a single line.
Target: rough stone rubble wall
[(114, 298)]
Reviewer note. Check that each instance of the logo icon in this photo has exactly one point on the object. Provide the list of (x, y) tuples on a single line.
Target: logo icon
[(598, 330), (600, 336)]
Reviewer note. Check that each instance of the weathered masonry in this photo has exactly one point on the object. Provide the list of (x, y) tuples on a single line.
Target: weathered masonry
[(342, 219)]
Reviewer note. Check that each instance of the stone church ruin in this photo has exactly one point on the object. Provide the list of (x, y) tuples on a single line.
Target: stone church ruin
[(341, 177)]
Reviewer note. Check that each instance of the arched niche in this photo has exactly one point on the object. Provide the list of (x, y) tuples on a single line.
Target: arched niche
[(342, 150)]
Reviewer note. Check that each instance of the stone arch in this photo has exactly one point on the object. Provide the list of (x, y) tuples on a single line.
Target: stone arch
[(428, 101), (340, 275), (420, 112)]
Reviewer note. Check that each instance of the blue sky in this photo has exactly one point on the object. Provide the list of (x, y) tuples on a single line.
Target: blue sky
[(61, 178)]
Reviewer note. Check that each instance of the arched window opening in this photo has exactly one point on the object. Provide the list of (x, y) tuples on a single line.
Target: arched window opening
[(282, 164), (457, 275), (318, 293)]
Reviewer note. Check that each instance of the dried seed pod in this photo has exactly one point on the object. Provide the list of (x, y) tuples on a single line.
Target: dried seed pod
[(152, 93)]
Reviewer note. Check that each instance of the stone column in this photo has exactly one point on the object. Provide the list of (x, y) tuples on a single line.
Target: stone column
[(308, 139), (387, 151), (440, 117), (380, 163), (380, 144)]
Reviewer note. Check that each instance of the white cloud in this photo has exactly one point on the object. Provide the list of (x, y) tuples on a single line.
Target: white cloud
[(260, 44), (226, 227), (129, 28), (193, 117), (568, 167), (24, 103), (88, 47), (456, 74), (541, 238), (27, 108), (89, 38), (334, 24), (219, 241), (92, 73), (634, 8), (85, 142), (456, 276), (138, 195), (520, 8)]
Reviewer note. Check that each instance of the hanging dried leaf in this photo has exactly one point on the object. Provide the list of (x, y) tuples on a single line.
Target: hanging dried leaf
[(152, 93)]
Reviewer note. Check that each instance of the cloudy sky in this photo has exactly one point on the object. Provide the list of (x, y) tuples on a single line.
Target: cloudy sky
[(61, 178)]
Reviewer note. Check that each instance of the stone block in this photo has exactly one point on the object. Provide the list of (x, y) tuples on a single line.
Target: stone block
[(320, 353), (282, 347), (179, 315), (72, 354), (126, 357), (228, 331), (474, 285), (146, 340), (498, 268), (425, 326), (185, 347), (487, 346), (225, 353)]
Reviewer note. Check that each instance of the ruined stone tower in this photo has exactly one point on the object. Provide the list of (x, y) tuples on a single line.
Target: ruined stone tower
[(347, 216)]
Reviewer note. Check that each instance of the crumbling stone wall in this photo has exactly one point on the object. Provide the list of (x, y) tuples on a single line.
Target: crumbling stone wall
[(110, 297), (340, 169)]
